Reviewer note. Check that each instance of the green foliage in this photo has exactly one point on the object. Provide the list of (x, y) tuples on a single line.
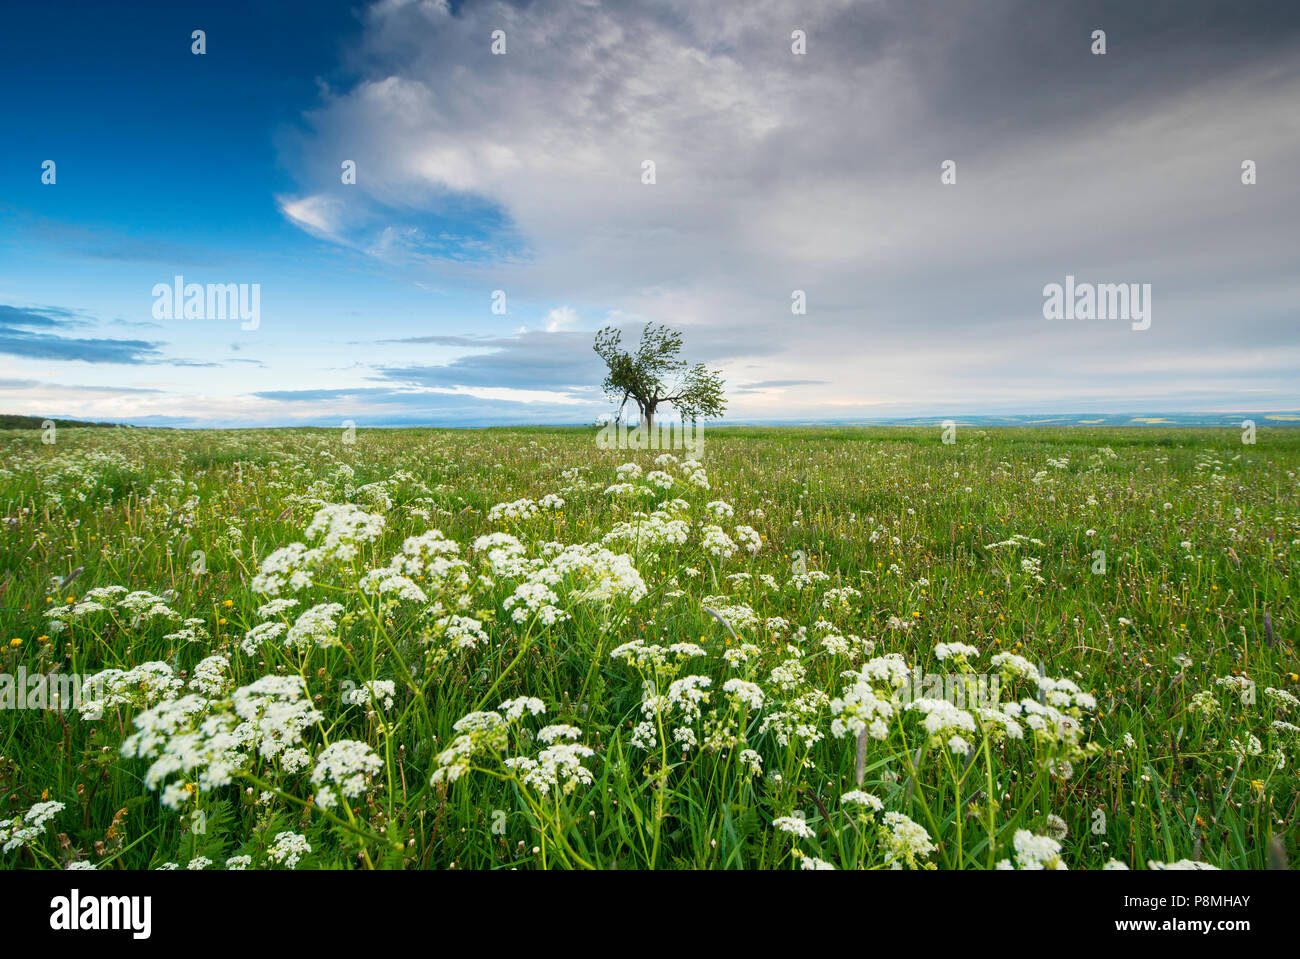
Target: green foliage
[(655, 374)]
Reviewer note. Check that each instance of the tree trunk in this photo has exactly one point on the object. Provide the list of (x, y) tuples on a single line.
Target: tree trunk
[(648, 418)]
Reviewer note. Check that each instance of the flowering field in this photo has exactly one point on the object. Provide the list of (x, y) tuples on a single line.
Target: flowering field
[(808, 648)]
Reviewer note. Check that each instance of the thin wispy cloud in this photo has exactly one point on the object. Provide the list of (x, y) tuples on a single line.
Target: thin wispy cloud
[(30, 333)]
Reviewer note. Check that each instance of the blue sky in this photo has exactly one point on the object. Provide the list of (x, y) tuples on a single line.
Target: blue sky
[(523, 173)]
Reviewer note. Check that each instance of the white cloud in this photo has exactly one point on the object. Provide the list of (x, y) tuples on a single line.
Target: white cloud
[(561, 318), (319, 215)]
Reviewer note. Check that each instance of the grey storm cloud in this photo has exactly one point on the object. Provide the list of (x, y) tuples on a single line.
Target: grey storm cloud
[(528, 361), (29, 332), (561, 361), (820, 173), (380, 406)]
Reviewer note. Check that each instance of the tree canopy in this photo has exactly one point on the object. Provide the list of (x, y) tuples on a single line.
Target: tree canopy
[(656, 374)]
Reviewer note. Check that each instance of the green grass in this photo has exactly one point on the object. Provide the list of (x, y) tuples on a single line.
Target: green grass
[(893, 513)]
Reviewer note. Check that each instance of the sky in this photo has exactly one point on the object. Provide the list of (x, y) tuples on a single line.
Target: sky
[(500, 214)]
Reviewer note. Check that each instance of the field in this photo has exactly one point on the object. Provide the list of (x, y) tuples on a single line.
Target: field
[(847, 647)]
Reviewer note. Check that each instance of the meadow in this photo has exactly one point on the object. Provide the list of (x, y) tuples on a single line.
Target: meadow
[(852, 648)]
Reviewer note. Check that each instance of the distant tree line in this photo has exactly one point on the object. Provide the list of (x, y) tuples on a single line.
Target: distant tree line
[(13, 421)]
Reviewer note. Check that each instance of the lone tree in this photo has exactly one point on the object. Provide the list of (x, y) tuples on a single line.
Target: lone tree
[(655, 374)]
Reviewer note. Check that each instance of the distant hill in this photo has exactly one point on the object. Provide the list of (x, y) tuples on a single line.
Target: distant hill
[(1203, 419), (12, 421)]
